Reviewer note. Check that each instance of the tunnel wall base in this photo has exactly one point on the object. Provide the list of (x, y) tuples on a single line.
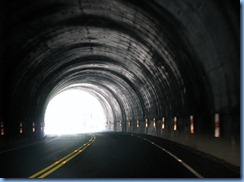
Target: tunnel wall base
[(226, 147)]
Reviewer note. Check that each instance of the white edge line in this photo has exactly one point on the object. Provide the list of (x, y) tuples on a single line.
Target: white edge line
[(175, 157)]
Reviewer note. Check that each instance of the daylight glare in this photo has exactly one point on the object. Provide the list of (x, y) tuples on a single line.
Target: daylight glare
[(74, 111)]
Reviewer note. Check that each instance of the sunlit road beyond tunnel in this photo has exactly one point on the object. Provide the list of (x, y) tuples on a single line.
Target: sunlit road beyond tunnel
[(120, 89)]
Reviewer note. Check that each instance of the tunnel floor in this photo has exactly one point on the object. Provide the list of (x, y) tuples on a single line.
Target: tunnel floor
[(109, 155)]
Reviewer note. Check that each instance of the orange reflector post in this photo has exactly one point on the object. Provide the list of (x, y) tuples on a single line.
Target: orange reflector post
[(146, 123), (33, 127), (2, 128), (2, 131), (163, 123), (154, 123), (175, 123), (128, 123), (137, 123), (20, 127), (191, 124), (216, 126), (42, 126)]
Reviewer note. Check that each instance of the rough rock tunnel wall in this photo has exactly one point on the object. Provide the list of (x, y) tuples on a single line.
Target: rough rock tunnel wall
[(146, 61)]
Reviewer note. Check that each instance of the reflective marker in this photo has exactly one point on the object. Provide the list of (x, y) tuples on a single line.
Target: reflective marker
[(217, 126), (33, 127), (137, 124), (175, 123), (20, 129), (191, 124), (2, 131), (2, 128), (128, 123), (154, 123), (146, 123), (163, 123), (42, 126)]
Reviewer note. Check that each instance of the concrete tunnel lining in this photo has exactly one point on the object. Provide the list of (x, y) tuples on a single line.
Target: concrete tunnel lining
[(142, 59)]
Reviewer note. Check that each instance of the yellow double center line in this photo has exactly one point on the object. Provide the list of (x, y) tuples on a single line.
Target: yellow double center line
[(56, 165)]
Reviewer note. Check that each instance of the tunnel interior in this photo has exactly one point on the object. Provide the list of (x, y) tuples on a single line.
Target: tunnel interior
[(152, 65)]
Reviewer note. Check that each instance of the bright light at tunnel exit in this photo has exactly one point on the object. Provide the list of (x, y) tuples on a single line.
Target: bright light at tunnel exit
[(74, 111)]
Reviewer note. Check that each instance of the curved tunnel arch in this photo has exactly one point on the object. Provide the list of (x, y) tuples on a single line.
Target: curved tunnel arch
[(141, 59)]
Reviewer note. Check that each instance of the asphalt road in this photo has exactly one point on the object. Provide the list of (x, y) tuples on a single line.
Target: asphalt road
[(108, 155)]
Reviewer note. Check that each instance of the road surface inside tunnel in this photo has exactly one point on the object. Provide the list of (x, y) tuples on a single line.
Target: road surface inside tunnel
[(107, 155)]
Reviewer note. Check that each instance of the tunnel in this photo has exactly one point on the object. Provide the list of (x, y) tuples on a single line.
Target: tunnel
[(170, 69)]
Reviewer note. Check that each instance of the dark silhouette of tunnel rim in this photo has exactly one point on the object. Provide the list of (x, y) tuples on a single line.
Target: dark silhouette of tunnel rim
[(142, 59)]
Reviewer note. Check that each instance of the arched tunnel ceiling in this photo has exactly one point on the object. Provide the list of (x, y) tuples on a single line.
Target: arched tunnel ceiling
[(138, 57)]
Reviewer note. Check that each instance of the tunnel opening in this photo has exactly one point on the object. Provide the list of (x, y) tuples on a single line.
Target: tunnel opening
[(74, 111), (147, 62)]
